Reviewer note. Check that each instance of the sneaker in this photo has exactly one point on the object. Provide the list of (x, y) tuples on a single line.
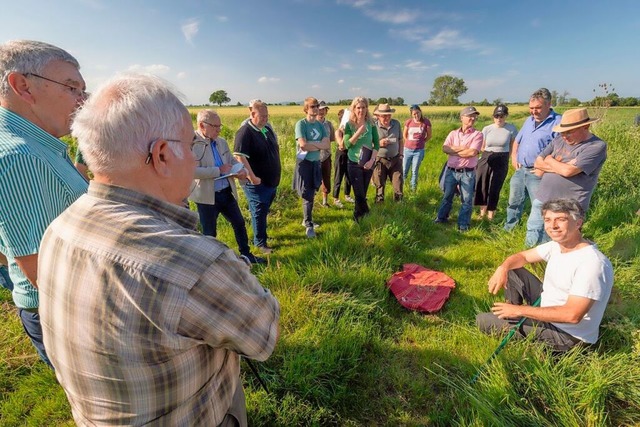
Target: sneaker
[(265, 249), (311, 233), (254, 259), (440, 221), (315, 224), (463, 229), (349, 199), (337, 203)]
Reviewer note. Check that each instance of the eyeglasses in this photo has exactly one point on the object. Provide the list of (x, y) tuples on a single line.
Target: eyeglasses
[(197, 148), (499, 116), (77, 92), (213, 126), (314, 106)]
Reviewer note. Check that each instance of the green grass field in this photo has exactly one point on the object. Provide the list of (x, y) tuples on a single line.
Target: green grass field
[(350, 355)]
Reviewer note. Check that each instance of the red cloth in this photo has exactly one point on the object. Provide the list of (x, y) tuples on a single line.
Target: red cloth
[(418, 288)]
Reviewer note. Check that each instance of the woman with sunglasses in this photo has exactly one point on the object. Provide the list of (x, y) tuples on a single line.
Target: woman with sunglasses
[(417, 131), (494, 164)]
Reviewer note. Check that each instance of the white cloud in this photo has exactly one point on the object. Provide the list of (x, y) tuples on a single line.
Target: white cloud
[(157, 69), (315, 86), (308, 45), (361, 51), (190, 29), (222, 18), (181, 75), (265, 79), (375, 67), (346, 66), (448, 39), (418, 65), (328, 69), (377, 55), (391, 16), (356, 3), (341, 81)]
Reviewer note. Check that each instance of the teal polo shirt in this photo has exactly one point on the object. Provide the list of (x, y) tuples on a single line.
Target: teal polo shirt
[(37, 182)]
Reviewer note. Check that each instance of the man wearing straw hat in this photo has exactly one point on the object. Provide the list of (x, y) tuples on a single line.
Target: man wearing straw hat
[(568, 167), (389, 160)]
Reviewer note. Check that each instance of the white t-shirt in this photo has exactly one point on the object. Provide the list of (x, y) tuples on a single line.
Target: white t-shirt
[(585, 272)]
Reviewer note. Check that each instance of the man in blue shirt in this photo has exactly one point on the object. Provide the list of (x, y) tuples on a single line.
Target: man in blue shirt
[(535, 135), (40, 88)]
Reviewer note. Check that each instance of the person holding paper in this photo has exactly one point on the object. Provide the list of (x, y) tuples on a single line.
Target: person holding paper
[(389, 161), (214, 196), (311, 138), (362, 142)]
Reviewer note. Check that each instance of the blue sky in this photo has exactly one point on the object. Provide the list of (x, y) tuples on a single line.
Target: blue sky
[(285, 50)]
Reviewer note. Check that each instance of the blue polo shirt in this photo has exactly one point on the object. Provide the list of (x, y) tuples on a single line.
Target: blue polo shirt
[(533, 139), (37, 182)]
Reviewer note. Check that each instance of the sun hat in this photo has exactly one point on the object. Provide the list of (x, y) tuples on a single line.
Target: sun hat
[(384, 109), (572, 119), (322, 105), (501, 109), (469, 111)]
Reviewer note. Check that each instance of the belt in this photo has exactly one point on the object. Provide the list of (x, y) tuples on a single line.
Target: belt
[(459, 170)]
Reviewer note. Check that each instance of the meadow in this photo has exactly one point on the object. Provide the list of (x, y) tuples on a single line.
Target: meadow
[(350, 355)]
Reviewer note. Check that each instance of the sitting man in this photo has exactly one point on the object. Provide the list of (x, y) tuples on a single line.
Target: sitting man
[(143, 317), (218, 196), (576, 287)]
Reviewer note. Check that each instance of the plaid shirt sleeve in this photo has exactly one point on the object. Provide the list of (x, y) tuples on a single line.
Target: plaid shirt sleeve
[(229, 308)]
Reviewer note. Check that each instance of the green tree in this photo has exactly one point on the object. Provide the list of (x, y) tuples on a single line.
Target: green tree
[(219, 97), (447, 90)]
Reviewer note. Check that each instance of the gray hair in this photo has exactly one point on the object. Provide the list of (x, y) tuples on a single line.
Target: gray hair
[(570, 207), (28, 57), (542, 93), (117, 124), (206, 114)]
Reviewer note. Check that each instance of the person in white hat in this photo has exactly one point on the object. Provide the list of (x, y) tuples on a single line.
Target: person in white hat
[(389, 160), (569, 167)]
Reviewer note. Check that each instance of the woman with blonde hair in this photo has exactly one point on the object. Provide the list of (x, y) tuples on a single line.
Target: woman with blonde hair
[(362, 143)]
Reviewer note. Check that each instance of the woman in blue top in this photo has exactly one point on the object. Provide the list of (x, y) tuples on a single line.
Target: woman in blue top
[(362, 143)]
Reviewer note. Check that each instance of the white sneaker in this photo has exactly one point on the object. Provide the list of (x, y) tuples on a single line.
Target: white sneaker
[(315, 224), (310, 233), (337, 203), (349, 199)]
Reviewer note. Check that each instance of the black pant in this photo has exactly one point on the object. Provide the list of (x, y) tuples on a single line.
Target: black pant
[(490, 175), (340, 171), (360, 179), (522, 286), (226, 205)]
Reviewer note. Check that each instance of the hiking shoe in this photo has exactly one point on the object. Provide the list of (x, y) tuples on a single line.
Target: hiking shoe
[(265, 249), (315, 224), (337, 203), (311, 233), (349, 199), (440, 221), (254, 259)]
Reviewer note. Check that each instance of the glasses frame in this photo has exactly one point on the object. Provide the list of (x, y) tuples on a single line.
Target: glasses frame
[(193, 144), (214, 126), (77, 92)]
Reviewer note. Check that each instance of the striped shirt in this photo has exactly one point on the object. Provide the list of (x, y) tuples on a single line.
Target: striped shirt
[(37, 182), (142, 316)]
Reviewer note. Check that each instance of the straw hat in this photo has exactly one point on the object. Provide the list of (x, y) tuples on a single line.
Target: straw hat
[(572, 119), (384, 109)]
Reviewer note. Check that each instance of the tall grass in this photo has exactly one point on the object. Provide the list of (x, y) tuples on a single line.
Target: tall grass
[(350, 355)]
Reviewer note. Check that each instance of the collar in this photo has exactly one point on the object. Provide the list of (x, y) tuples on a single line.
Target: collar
[(21, 126)]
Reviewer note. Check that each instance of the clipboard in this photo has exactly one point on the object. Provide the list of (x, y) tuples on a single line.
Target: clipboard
[(235, 170)]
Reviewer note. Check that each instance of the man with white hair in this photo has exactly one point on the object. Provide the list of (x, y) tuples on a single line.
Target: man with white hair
[(144, 317), (40, 88)]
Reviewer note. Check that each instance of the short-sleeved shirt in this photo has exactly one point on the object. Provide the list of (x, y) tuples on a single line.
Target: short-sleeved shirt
[(313, 133), (144, 317), (589, 156), (586, 273), (38, 182), (369, 139), (261, 149), (498, 139), (394, 135), (532, 138), (416, 133), (472, 138)]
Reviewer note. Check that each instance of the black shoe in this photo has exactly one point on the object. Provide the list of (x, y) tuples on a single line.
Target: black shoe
[(440, 221), (254, 259)]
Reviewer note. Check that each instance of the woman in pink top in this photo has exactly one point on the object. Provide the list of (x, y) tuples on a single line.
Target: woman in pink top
[(417, 131)]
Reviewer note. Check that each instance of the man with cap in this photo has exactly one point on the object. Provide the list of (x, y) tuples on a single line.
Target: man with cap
[(325, 155), (462, 146), (569, 168), (40, 89), (389, 160), (535, 135)]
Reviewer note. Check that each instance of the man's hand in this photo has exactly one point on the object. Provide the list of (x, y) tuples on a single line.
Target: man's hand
[(255, 180), (538, 172), (384, 142), (505, 310), (498, 280), (369, 164), (242, 175), (515, 163)]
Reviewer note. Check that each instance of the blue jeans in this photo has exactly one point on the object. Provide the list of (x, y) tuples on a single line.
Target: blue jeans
[(5, 280), (226, 205), (535, 226), (412, 160), (260, 198), (523, 182), (31, 324), (466, 181)]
